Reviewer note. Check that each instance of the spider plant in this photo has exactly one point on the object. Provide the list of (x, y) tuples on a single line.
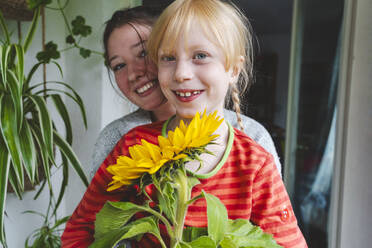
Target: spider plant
[(29, 140), (48, 235)]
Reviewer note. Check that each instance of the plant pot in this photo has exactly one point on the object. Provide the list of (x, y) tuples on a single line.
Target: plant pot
[(28, 185), (16, 10)]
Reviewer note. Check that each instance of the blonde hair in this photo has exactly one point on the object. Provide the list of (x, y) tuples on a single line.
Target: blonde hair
[(222, 22)]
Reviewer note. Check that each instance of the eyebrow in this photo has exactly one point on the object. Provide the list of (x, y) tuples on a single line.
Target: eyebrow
[(141, 42), (112, 58)]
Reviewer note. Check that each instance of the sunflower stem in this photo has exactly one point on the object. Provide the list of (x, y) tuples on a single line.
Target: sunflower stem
[(162, 219), (184, 195)]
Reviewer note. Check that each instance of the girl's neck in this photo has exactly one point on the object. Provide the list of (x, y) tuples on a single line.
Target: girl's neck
[(175, 122), (164, 112)]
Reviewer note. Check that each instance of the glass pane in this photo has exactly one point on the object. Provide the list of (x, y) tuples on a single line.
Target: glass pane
[(315, 79)]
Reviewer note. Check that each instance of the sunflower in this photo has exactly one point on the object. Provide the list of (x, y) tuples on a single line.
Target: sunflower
[(149, 158), (197, 134), (144, 158)]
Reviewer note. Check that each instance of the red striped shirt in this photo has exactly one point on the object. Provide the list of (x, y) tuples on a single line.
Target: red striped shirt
[(248, 184)]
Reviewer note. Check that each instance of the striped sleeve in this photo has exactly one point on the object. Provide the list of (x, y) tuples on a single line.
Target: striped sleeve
[(272, 209)]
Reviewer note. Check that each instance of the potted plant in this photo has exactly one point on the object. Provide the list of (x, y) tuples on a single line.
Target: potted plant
[(29, 140)]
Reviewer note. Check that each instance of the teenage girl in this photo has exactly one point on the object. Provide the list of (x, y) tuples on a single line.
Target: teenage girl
[(202, 49)]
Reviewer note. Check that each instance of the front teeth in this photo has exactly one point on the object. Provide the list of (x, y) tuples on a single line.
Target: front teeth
[(145, 87), (187, 94)]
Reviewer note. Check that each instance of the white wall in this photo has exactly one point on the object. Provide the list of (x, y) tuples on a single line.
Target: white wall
[(355, 195), (89, 78)]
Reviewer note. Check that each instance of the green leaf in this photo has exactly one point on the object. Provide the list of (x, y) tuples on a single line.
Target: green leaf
[(74, 97), (79, 27), (62, 110), (45, 124), (113, 215), (142, 226), (239, 227), (4, 28), (40, 189), (15, 91), (31, 30), (132, 230), (30, 75), (35, 129), (85, 53), (4, 63), (70, 39), (228, 243), (20, 65), (59, 68), (11, 137), (34, 212), (192, 233), (12, 177), (242, 233), (192, 181), (167, 201), (3, 83), (28, 151), (203, 242), (32, 4), (50, 52), (4, 172), (217, 217), (109, 239), (60, 222), (182, 244), (64, 182), (65, 148)]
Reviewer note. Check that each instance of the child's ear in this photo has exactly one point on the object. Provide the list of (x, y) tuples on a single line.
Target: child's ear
[(236, 69)]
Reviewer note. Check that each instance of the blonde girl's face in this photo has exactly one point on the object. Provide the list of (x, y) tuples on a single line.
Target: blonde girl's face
[(193, 76), (135, 75)]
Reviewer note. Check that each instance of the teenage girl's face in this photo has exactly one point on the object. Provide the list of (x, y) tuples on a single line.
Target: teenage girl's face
[(193, 76), (135, 75)]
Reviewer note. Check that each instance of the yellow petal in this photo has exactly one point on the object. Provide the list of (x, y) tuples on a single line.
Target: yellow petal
[(183, 126), (163, 142), (153, 150)]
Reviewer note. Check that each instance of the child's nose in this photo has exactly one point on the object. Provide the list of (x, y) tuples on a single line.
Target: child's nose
[(183, 72)]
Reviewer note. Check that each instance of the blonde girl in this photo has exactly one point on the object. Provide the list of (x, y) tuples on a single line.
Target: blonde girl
[(202, 49)]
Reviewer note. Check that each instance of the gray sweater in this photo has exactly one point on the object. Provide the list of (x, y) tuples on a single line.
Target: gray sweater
[(113, 132)]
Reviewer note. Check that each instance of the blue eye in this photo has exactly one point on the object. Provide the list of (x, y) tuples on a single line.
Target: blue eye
[(118, 67), (167, 58), (142, 54), (200, 56)]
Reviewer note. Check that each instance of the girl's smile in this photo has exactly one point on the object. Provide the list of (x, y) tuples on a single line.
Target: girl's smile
[(192, 75), (147, 88), (187, 95), (135, 75)]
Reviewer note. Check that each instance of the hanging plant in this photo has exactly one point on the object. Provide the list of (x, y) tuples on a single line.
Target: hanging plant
[(77, 29), (29, 139), (16, 10)]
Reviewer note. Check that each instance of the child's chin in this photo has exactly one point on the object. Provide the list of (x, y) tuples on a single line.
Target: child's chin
[(188, 114)]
